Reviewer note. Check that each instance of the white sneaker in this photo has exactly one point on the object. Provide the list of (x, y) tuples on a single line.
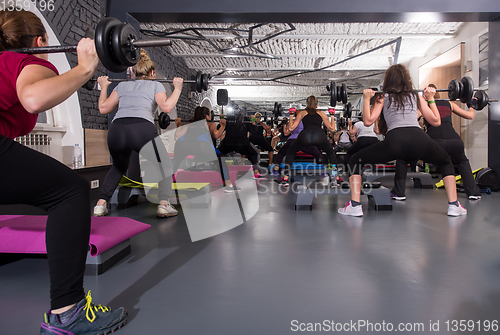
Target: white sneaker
[(231, 189), (397, 197), (456, 210), (100, 210), (474, 197), (166, 211), (350, 210)]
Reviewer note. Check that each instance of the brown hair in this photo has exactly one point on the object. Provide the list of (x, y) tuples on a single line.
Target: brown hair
[(200, 113), (311, 104), (144, 66), (18, 29), (399, 86), (437, 93)]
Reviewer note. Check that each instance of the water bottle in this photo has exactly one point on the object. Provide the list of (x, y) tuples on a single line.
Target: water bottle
[(77, 157), (334, 174), (427, 169)]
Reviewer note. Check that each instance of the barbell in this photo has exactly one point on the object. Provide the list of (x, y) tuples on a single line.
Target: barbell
[(462, 90), (164, 120), (482, 100), (116, 44), (200, 82)]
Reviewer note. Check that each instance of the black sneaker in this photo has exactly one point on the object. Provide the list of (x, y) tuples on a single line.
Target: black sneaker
[(88, 319), (284, 182)]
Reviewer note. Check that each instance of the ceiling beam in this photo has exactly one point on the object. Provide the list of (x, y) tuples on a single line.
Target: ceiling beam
[(330, 55)]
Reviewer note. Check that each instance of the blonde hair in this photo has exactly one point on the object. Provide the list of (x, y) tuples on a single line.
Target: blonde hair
[(144, 66)]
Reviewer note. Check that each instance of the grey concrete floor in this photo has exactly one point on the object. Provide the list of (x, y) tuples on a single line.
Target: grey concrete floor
[(284, 271)]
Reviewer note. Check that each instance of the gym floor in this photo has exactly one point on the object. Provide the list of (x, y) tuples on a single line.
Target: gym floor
[(285, 271)]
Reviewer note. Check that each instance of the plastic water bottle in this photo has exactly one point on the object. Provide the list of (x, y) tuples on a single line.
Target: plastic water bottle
[(427, 169), (77, 157), (334, 174)]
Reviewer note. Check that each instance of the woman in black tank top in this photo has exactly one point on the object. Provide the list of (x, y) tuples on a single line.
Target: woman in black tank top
[(447, 138), (311, 135)]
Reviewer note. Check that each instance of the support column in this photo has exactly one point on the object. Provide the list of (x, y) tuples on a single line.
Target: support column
[(494, 93)]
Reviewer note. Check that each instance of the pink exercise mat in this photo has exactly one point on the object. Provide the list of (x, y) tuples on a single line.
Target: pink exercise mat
[(26, 233)]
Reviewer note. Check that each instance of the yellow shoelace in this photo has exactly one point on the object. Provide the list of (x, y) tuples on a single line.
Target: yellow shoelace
[(89, 306)]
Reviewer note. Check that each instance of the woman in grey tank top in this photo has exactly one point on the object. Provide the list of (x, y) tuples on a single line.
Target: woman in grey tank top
[(404, 139), (133, 127)]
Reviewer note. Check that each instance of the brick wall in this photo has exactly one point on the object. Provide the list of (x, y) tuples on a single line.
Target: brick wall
[(73, 20)]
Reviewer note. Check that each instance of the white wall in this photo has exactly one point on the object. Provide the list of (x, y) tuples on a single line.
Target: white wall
[(67, 115), (476, 131)]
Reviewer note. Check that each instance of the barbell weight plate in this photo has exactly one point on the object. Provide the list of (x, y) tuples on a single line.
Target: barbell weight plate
[(482, 99), (343, 93), (333, 94), (348, 110), (121, 42), (467, 89), (454, 90), (342, 122), (199, 84), (103, 35), (204, 82), (275, 110), (164, 120), (280, 110)]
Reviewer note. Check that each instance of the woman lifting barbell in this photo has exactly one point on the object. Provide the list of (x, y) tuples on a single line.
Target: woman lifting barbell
[(30, 85), (197, 139), (404, 139), (311, 135), (133, 127), (448, 139)]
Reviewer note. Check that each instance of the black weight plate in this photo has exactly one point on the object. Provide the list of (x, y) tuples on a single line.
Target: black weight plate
[(342, 122), (121, 42), (482, 99), (453, 90), (333, 94), (280, 110), (103, 34), (348, 110), (275, 110), (343, 93), (199, 84), (204, 82), (467, 89), (164, 120), (90, 85)]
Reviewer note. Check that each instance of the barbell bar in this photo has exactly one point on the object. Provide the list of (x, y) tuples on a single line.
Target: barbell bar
[(164, 120), (116, 44)]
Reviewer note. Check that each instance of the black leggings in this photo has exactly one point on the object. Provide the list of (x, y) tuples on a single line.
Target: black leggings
[(125, 135), (241, 147), (361, 143), (408, 143), (307, 138), (313, 151), (260, 140), (454, 147), (33, 178)]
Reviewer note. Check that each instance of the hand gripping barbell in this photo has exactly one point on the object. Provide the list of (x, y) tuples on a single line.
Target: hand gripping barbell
[(116, 44), (200, 82)]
